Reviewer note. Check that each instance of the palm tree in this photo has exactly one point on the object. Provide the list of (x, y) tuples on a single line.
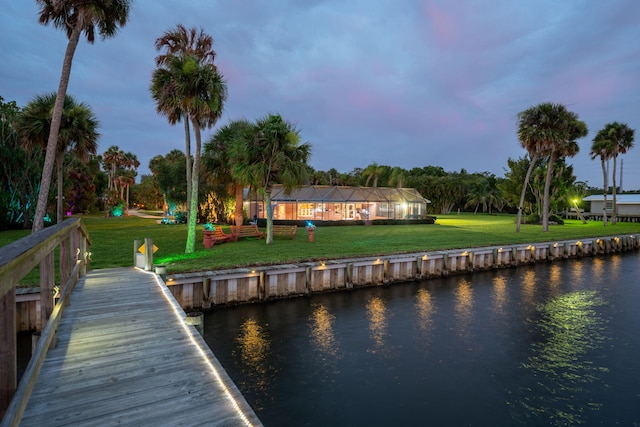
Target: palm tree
[(397, 177), (220, 161), (373, 171), (617, 138), (274, 155), (198, 90), (77, 134), (603, 147), (547, 130), (177, 42), (131, 165), (74, 17), (112, 160)]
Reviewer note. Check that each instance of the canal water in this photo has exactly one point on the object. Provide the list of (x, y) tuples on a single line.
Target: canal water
[(550, 344)]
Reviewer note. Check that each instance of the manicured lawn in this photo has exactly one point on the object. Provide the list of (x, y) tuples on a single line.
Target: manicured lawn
[(112, 240)]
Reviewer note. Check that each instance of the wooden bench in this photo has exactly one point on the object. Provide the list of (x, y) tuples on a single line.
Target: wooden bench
[(246, 231), (217, 236), (285, 230)]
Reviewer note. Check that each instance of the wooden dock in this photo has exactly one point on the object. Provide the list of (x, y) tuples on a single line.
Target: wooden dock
[(118, 361)]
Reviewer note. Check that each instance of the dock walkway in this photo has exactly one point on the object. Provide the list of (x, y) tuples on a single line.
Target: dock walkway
[(124, 356)]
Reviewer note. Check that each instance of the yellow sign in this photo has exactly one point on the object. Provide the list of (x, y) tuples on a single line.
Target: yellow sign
[(142, 249)]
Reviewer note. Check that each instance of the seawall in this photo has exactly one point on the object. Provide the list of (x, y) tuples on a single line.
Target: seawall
[(203, 290)]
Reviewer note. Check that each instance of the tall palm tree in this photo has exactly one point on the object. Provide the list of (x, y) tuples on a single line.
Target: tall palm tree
[(131, 165), (618, 139), (180, 42), (112, 160), (603, 148), (397, 177), (547, 129), (274, 155), (373, 171), (220, 160), (75, 17), (77, 134), (199, 91)]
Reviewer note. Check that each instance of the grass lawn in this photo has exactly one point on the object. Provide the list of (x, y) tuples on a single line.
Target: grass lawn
[(112, 240)]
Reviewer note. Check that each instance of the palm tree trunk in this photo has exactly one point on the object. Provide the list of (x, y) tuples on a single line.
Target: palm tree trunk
[(52, 142), (534, 159), (614, 207), (187, 149), (126, 206), (238, 212), (193, 201), (267, 202), (605, 184), (545, 199), (60, 199)]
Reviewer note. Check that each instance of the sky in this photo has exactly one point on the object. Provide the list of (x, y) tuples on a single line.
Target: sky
[(406, 83)]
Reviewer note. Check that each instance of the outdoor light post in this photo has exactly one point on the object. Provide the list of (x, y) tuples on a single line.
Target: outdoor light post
[(310, 231)]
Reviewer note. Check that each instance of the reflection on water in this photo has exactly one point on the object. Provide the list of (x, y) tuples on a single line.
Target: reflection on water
[(529, 286), (499, 293), (425, 310), (554, 278), (322, 336), (377, 312), (464, 305), (254, 348), (570, 329), (524, 346)]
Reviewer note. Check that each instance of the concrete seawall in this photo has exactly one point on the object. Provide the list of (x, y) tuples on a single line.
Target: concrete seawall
[(203, 290)]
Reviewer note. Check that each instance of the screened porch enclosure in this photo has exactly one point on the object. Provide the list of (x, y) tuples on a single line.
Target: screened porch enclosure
[(326, 203)]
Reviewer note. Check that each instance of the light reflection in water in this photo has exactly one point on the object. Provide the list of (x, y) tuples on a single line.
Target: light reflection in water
[(529, 286), (554, 278), (598, 268), (425, 310), (254, 347), (464, 305), (560, 364), (499, 293), (377, 312), (322, 336), (577, 274)]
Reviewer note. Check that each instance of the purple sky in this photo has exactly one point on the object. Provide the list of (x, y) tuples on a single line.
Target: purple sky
[(401, 83)]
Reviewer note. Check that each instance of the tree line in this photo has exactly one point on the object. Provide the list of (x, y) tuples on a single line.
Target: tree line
[(187, 87)]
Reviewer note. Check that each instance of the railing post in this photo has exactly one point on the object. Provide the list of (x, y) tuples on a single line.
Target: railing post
[(47, 278), (84, 256), (148, 253), (65, 261), (8, 352)]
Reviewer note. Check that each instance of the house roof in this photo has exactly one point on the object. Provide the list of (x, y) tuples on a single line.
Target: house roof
[(621, 199), (340, 194)]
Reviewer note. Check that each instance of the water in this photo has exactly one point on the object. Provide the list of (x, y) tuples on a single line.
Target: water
[(542, 345)]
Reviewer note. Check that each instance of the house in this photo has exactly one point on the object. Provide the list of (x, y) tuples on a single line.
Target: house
[(338, 203), (628, 206)]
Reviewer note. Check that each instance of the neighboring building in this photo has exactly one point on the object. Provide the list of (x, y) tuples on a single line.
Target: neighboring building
[(628, 205), (329, 203)]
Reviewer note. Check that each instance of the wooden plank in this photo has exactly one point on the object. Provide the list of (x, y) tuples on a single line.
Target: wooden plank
[(8, 352), (124, 355)]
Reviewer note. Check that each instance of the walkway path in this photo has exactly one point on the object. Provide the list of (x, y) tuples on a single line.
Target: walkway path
[(125, 357)]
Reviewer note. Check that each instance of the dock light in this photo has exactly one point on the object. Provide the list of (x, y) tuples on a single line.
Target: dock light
[(253, 271), (579, 243), (555, 245), (425, 257), (465, 253), (499, 249)]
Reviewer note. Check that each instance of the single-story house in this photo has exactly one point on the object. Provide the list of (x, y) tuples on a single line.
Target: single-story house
[(628, 205), (336, 203)]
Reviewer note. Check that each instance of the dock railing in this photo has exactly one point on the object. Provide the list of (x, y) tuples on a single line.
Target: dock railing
[(18, 259)]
